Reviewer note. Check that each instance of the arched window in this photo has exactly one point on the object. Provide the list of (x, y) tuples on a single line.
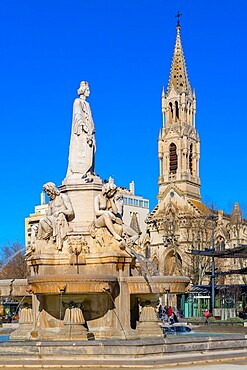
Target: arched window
[(220, 244), (155, 262), (177, 110), (173, 264), (190, 159), (147, 250), (171, 111), (173, 158)]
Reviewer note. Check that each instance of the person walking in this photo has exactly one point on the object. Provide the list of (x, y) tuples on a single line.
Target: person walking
[(169, 314), (206, 314), (169, 311)]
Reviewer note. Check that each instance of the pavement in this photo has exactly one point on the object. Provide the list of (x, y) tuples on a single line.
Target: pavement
[(218, 360), (214, 360), (231, 329), (238, 365), (230, 365)]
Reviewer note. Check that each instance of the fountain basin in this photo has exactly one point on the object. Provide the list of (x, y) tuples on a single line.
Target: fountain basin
[(13, 288), (98, 283), (157, 284), (72, 284)]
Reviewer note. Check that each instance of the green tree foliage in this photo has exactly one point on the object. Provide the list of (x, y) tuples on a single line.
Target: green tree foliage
[(12, 261)]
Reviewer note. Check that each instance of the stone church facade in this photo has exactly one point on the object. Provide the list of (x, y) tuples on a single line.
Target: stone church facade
[(181, 222)]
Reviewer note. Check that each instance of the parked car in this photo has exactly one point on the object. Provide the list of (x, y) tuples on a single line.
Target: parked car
[(176, 329)]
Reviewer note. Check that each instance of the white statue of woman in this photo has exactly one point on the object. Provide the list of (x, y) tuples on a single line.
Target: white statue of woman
[(82, 141)]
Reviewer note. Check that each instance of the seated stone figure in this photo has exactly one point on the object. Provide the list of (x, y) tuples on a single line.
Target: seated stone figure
[(109, 214), (129, 234), (55, 225), (106, 210)]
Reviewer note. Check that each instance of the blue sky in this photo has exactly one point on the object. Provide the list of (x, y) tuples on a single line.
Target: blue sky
[(124, 49)]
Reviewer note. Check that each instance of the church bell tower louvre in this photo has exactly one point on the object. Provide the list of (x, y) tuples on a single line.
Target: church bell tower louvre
[(179, 143)]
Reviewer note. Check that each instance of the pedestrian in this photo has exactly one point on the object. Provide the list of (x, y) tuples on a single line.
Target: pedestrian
[(175, 318), (206, 314), (160, 311), (169, 311), (164, 316), (169, 314)]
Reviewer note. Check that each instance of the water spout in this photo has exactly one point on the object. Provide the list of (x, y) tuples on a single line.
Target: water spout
[(62, 290), (60, 305), (146, 274), (19, 304), (10, 258), (109, 294), (151, 265)]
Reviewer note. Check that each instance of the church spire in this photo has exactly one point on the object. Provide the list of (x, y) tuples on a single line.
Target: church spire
[(179, 143), (178, 75)]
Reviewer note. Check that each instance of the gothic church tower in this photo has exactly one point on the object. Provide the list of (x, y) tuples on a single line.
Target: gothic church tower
[(179, 144), (179, 199), (180, 221)]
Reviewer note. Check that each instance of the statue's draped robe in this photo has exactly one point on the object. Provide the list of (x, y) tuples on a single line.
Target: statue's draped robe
[(58, 226), (82, 144)]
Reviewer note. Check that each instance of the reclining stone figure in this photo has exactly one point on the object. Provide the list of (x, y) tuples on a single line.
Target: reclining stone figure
[(107, 214), (55, 225)]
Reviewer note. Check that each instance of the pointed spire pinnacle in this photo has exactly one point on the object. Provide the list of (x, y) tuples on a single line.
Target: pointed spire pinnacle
[(134, 224), (236, 216), (178, 75), (163, 101)]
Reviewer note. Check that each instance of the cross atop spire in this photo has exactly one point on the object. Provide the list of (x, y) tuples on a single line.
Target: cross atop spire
[(178, 17)]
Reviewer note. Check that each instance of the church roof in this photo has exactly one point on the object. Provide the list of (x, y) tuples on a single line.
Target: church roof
[(178, 75), (152, 213), (201, 207)]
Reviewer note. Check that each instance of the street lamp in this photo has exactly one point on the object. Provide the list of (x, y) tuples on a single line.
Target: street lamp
[(167, 290), (212, 217)]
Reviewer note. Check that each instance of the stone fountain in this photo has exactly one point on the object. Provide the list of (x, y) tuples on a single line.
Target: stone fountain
[(86, 281), (91, 299)]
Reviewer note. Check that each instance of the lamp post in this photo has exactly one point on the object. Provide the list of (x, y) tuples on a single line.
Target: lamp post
[(167, 290), (212, 217)]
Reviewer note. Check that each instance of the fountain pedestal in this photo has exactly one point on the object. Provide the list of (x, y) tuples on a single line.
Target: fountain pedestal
[(148, 325), (25, 322)]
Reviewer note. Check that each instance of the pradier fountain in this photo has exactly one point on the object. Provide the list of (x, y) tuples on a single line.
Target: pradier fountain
[(90, 299), (86, 281)]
